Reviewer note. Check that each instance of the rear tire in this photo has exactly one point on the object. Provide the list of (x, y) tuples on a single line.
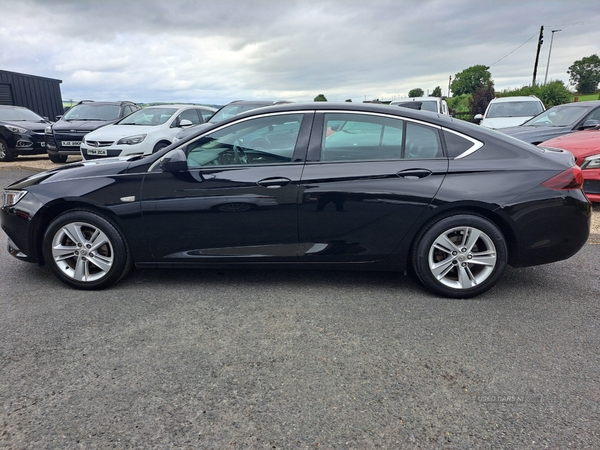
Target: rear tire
[(85, 250), (460, 256), (6, 155)]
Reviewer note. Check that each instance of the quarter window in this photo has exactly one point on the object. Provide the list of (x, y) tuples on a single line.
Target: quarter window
[(265, 140)]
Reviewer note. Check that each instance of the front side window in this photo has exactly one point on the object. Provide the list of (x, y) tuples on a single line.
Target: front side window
[(188, 114), (356, 137), (264, 140)]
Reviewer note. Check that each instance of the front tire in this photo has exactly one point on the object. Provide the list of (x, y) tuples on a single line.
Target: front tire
[(6, 155), (58, 159), (460, 256), (85, 250)]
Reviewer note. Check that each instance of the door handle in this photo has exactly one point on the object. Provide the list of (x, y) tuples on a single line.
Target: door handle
[(413, 174), (274, 182)]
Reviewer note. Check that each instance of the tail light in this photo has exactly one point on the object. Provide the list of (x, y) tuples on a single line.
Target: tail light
[(572, 178)]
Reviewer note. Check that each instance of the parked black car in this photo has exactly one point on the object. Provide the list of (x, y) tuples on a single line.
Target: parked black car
[(330, 186), (21, 132), (64, 137), (556, 121)]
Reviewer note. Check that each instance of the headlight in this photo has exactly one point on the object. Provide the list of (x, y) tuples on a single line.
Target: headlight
[(11, 198), (591, 162), (132, 140), (14, 129), (48, 129)]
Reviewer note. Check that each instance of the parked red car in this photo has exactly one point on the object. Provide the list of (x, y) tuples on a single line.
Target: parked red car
[(585, 146)]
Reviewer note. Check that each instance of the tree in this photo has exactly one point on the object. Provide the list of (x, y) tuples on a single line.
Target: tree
[(554, 93), (418, 92), (437, 92), (320, 98), (467, 81), (585, 74), (480, 98)]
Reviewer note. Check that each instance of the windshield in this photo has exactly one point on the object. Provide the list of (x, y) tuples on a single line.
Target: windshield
[(19, 115), (90, 111), (514, 109), (231, 110), (149, 116), (558, 116)]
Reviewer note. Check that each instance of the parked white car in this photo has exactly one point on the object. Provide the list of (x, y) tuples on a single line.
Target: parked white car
[(504, 112), (433, 104), (143, 132)]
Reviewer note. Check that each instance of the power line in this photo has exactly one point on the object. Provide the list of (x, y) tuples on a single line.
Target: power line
[(536, 33)]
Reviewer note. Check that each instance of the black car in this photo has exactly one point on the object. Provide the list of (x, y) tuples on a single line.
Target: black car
[(64, 137), (316, 185), (556, 121), (21, 132)]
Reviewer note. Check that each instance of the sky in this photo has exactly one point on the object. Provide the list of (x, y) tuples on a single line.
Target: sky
[(214, 52)]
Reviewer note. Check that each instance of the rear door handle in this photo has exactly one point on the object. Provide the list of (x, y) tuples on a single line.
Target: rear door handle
[(413, 174), (274, 182)]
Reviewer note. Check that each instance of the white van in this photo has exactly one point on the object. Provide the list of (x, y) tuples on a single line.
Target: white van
[(433, 104)]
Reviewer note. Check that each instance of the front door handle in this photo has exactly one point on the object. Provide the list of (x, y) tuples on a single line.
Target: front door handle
[(413, 174), (274, 182)]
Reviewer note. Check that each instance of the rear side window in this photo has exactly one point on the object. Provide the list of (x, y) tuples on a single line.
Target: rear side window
[(362, 137)]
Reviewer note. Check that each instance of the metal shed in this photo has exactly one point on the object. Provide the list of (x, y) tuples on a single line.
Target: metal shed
[(41, 95)]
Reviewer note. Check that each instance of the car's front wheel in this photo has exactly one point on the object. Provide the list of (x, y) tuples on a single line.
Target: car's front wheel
[(460, 256), (58, 159), (5, 154), (85, 250)]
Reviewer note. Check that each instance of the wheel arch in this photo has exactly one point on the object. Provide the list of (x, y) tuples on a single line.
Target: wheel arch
[(54, 210), (496, 216)]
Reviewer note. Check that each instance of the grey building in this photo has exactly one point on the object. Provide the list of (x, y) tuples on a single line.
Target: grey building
[(39, 94)]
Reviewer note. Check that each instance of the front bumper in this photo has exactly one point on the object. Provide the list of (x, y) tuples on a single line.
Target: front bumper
[(64, 144), (27, 144), (17, 253), (591, 184)]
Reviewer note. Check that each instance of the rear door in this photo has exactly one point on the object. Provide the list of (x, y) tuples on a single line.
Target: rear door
[(367, 180)]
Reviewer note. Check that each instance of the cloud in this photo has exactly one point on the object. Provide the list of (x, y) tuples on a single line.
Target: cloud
[(214, 52)]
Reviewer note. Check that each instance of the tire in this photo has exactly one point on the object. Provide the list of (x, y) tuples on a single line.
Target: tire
[(85, 250), (58, 159), (460, 256), (6, 155), (160, 146)]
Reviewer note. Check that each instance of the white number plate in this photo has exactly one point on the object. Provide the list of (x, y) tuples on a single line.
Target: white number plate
[(71, 143), (96, 151)]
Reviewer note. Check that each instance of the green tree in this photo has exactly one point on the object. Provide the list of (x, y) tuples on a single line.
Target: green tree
[(585, 74), (418, 92), (554, 93), (320, 98), (480, 98), (437, 92), (470, 79)]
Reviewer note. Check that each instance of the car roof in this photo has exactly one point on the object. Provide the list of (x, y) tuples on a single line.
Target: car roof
[(258, 102), (516, 98), (590, 104), (418, 99)]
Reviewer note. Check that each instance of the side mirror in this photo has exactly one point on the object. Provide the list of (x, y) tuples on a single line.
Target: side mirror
[(590, 123), (478, 118), (174, 161), (58, 117), (185, 123)]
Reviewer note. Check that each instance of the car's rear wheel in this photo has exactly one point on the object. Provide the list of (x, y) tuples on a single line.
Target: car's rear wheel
[(85, 250), (58, 158), (5, 154), (460, 256)]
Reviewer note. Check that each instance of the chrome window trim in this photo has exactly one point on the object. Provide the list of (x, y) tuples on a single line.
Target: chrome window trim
[(476, 144), (389, 116)]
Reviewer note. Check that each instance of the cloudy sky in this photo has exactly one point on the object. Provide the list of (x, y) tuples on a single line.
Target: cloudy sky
[(213, 52)]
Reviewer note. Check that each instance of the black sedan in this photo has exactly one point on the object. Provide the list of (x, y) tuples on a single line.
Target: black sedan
[(557, 121), (21, 132), (316, 185)]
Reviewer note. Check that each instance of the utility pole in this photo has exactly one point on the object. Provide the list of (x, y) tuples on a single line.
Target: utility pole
[(549, 53), (449, 83), (537, 55)]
